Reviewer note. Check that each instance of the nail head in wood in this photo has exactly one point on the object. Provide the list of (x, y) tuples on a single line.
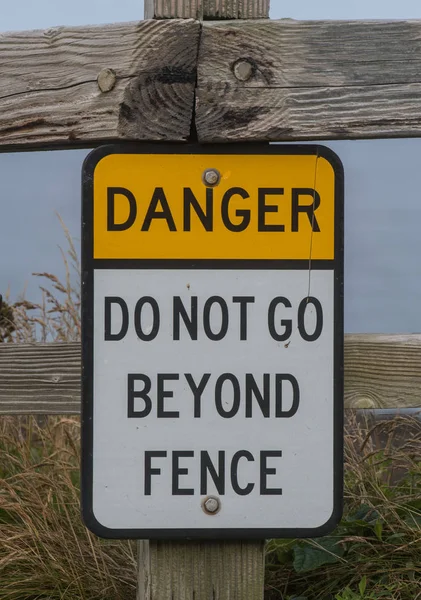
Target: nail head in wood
[(243, 69), (106, 80)]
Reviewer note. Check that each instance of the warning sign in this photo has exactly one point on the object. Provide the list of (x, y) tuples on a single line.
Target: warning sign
[(212, 341)]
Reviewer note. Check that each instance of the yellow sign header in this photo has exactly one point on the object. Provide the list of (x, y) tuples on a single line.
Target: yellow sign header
[(263, 206)]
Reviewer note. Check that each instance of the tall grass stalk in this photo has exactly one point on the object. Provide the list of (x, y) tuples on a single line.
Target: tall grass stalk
[(46, 553)]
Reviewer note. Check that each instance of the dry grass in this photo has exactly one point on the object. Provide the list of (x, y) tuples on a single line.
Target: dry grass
[(45, 550), (57, 317)]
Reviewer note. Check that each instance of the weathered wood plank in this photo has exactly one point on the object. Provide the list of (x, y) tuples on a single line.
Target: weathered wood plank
[(381, 371), (143, 591), (206, 571), (40, 378), (69, 86), (291, 80), (207, 9), (257, 80)]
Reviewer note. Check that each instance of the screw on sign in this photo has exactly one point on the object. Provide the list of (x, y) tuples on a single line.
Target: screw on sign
[(211, 505), (212, 358), (211, 177)]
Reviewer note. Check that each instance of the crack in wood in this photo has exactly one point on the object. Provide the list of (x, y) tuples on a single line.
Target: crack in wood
[(33, 124), (256, 86), (52, 89), (193, 137), (307, 81)]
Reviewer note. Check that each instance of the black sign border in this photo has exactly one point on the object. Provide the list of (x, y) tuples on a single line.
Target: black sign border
[(87, 332)]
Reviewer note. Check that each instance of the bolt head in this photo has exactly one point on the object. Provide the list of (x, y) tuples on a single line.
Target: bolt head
[(211, 504), (243, 69), (106, 80), (211, 177)]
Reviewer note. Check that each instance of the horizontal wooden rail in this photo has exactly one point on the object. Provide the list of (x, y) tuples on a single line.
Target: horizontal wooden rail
[(226, 81), (291, 80), (83, 85), (381, 371)]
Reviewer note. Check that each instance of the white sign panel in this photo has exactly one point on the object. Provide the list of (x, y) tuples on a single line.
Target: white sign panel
[(212, 387)]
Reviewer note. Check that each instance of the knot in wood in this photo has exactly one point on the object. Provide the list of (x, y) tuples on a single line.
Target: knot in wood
[(364, 402), (244, 69), (106, 80), (52, 33)]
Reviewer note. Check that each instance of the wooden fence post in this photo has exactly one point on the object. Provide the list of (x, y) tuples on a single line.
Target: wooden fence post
[(208, 570), (207, 9)]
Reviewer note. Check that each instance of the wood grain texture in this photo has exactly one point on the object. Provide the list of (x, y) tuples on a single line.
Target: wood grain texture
[(257, 80), (207, 9), (206, 571), (50, 93), (381, 371), (40, 378), (309, 80), (143, 589)]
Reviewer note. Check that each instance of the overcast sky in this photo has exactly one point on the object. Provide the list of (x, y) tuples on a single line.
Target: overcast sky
[(34, 14), (383, 182)]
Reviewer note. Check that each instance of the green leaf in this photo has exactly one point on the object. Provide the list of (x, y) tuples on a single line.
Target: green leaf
[(315, 553), (284, 556), (378, 530), (395, 538), (362, 586)]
